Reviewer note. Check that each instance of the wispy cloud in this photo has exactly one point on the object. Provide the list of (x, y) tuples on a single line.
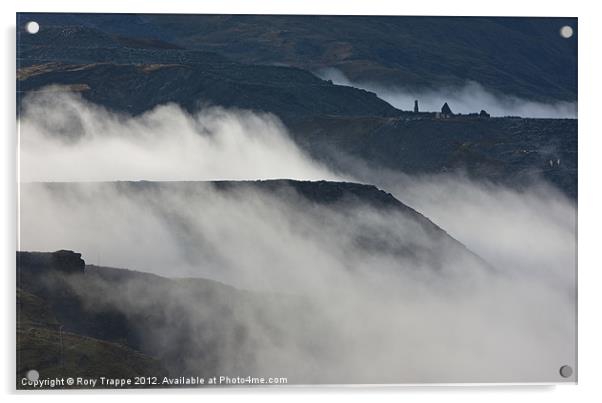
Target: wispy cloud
[(470, 98), (385, 300), (65, 138)]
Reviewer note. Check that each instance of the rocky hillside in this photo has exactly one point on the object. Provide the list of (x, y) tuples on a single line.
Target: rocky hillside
[(46, 340), (195, 325), (119, 74), (510, 151), (523, 57), (138, 72), (333, 122), (286, 92)]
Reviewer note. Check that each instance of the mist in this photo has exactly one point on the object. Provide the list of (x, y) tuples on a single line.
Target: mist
[(65, 138), (384, 296), (470, 98), (532, 231), (367, 315)]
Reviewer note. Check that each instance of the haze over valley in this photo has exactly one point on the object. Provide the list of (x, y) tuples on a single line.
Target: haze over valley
[(191, 206)]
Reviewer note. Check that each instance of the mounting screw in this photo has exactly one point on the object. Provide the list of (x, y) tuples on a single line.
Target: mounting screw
[(32, 27), (32, 375), (566, 371)]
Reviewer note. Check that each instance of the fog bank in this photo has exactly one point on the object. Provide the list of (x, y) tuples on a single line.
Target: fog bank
[(470, 98), (413, 309), (386, 301), (65, 138)]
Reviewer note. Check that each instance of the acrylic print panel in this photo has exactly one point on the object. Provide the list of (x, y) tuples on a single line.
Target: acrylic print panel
[(256, 199)]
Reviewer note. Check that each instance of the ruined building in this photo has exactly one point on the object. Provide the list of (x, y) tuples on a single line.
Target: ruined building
[(446, 110)]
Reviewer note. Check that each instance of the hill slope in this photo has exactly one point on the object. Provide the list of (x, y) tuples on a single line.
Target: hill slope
[(203, 327), (523, 57), (332, 122), (52, 347), (509, 151)]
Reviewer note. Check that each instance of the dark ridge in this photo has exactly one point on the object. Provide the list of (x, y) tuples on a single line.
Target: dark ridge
[(339, 196), (524, 57), (63, 260), (509, 151), (135, 88), (322, 192), (145, 43), (81, 37)]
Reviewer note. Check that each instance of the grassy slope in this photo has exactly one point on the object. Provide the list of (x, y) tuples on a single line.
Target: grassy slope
[(43, 345)]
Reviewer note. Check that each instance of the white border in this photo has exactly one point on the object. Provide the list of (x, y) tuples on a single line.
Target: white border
[(590, 284)]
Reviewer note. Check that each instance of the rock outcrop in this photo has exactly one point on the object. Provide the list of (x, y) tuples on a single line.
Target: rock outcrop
[(63, 260)]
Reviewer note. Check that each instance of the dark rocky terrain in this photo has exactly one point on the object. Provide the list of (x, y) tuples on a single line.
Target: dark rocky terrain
[(331, 122), (50, 322), (134, 88), (511, 151), (119, 323), (120, 75), (411, 52)]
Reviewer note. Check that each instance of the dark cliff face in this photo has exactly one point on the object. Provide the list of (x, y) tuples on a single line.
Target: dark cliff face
[(65, 261)]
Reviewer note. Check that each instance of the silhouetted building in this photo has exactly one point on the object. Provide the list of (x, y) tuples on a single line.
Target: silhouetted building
[(446, 110), (484, 114), (416, 106)]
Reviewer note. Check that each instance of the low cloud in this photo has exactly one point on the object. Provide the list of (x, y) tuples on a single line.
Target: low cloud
[(65, 138), (385, 300), (364, 315), (470, 98)]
